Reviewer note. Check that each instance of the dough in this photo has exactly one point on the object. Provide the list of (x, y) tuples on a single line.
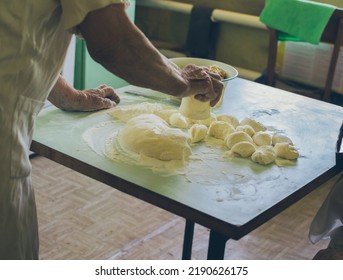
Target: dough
[(229, 119), (195, 109), (236, 137), (246, 128), (286, 151), (244, 149), (264, 155), (207, 121), (178, 120), (281, 138), (166, 113), (257, 126), (219, 129), (262, 138), (198, 132), (149, 135), (126, 112)]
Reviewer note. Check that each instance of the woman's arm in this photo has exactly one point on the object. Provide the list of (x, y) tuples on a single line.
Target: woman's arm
[(65, 97), (117, 44)]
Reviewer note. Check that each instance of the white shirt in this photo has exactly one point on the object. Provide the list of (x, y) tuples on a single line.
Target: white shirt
[(34, 37)]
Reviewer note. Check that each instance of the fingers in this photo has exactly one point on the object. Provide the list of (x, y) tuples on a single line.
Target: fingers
[(102, 103), (204, 84), (211, 90), (218, 87), (108, 92), (102, 97)]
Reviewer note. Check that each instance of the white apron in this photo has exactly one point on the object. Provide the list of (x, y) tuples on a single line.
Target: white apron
[(33, 44)]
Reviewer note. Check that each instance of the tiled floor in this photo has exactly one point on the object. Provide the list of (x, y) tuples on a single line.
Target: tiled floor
[(80, 218)]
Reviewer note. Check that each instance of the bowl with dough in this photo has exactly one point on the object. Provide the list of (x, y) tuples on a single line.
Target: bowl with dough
[(226, 71)]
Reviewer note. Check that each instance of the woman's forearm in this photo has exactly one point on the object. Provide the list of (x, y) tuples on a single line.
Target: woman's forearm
[(123, 49), (67, 98), (117, 44)]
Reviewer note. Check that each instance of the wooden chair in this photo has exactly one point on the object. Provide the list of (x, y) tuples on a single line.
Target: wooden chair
[(333, 33)]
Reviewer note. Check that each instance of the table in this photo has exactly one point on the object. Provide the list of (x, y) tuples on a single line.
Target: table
[(237, 196)]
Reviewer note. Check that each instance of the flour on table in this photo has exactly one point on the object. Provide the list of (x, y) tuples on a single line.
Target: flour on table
[(126, 112), (160, 138)]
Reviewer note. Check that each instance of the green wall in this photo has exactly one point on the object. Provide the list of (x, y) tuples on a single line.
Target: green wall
[(88, 73)]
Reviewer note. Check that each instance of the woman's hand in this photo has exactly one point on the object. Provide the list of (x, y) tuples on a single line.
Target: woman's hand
[(67, 98), (203, 84)]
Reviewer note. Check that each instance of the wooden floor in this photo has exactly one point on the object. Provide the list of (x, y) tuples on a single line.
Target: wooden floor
[(80, 218)]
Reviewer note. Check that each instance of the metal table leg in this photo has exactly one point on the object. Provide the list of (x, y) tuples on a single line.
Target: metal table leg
[(188, 240), (216, 246)]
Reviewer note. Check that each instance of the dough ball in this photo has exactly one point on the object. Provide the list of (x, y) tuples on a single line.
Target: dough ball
[(198, 132), (178, 120), (281, 138), (219, 129), (262, 138), (195, 109), (244, 149), (207, 121), (264, 155), (257, 126), (236, 137), (229, 119), (151, 136), (165, 114), (246, 128), (286, 151)]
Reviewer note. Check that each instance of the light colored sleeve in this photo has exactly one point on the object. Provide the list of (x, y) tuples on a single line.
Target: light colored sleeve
[(74, 11)]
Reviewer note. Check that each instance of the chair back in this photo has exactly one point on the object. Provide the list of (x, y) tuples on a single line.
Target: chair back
[(333, 33)]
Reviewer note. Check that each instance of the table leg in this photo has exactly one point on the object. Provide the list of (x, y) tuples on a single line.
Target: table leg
[(188, 240), (216, 246)]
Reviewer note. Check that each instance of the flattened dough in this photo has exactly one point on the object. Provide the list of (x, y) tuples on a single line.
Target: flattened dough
[(257, 126), (281, 138), (236, 137), (219, 129), (178, 120), (244, 149), (198, 132), (246, 128), (264, 155), (286, 151), (229, 119), (207, 121), (151, 136), (262, 138)]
